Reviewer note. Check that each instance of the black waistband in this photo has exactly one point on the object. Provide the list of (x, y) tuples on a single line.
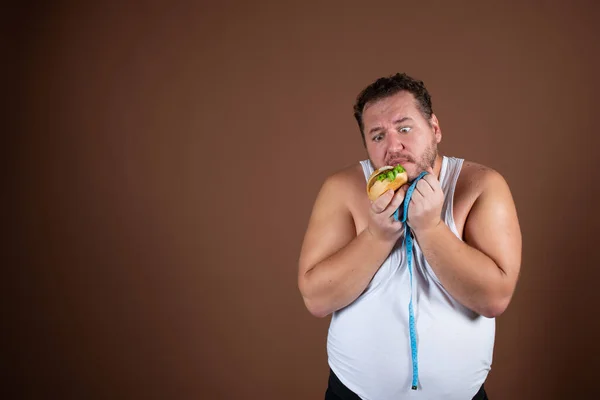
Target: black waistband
[(336, 390)]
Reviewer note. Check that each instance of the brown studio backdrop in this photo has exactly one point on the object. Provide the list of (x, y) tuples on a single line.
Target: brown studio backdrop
[(168, 157)]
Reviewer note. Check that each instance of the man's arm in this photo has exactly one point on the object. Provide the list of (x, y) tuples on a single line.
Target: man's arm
[(335, 264), (481, 273)]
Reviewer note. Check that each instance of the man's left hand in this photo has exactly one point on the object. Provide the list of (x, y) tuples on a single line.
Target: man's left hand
[(425, 209)]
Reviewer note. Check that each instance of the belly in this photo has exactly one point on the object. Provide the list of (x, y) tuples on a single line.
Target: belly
[(369, 348)]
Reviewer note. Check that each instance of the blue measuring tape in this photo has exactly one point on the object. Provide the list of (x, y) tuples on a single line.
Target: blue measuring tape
[(408, 241)]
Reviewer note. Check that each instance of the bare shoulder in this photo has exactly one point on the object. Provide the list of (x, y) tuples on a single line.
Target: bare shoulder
[(347, 182), (476, 182), (475, 178)]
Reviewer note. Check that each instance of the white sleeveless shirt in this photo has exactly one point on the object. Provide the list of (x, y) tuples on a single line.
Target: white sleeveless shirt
[(368, 343)]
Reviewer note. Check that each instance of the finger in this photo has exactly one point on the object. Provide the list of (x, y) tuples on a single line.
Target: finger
[(397, 199), (380, 204), (424, 188), (432, 182), (417, 197)]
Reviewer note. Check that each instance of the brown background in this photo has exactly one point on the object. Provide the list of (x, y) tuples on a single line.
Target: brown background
[(164, 159)]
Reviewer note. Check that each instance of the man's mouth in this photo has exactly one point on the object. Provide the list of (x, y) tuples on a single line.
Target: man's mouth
[(396, 161)]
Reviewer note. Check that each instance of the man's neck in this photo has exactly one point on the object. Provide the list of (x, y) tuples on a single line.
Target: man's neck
[(437, 165)]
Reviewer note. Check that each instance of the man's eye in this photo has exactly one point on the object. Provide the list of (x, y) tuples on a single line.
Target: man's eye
[(377, 138), (404, 129)]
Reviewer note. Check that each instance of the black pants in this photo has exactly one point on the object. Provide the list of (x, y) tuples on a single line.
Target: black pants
[(336, 390)]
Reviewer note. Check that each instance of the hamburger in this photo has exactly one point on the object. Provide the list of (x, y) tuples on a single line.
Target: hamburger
[(384, 179)]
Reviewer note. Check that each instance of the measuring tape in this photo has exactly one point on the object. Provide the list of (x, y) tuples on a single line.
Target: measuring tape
[(408, 241)]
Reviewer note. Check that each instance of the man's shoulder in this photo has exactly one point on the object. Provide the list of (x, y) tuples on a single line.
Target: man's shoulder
[(345, 186), (475, 178), (347, 177)]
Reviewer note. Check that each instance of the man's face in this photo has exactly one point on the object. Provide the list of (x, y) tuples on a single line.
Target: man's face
[(397, 133)]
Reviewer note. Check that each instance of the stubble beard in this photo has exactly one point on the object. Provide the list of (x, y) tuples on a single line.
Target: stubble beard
[(426, 161)]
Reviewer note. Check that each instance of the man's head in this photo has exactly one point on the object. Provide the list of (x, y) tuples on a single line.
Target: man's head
[(397, 123)]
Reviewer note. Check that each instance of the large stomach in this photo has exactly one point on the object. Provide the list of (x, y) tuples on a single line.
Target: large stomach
[(369, 349)]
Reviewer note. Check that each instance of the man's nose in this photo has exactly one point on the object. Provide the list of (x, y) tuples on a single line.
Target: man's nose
[(395, 141)]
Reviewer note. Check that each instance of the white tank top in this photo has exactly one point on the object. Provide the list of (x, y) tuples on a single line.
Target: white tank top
[(368, 343)]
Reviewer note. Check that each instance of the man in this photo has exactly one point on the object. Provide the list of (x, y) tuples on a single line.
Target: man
[(466, 257)]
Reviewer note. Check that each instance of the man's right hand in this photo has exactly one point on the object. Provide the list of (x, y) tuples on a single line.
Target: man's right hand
[(381, 215)]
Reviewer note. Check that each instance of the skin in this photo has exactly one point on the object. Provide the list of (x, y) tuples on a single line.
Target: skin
[(349, 237)]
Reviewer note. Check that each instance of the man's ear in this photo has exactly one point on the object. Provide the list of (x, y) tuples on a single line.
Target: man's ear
[(437, 131)]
